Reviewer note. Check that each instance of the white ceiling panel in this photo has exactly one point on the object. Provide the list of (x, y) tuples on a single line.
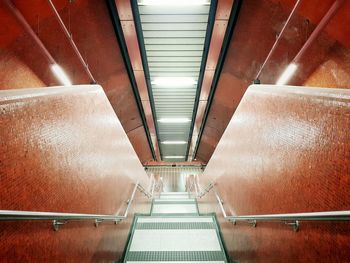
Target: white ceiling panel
[(181, 53), (177, 47), (175, 41), (174, 59), (174, 10), (174, 64), (174, 26), (174, 38), (166, 18), (173, 34), (174, 74)]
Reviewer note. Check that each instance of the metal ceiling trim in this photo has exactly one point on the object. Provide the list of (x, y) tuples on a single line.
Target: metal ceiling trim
[(121, 41), (198, 74), (227, 39), (137, 20), (211, 22)]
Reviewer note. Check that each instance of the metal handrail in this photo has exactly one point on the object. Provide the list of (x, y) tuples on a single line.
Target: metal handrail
[(291, 219), (63, 218), (144, 191), (196, 186), (206, 190)]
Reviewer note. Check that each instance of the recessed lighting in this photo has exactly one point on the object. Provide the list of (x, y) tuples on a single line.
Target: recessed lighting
[(287, 74), (174, 142), (174, 120), (173, 157), (61, 75), (174, 2), (174, 81)]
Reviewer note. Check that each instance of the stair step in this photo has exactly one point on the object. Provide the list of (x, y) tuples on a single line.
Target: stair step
[(188, 200), (174, 193), (176, 225), (194, 219), (174, 196), (176, 256), (175, 240), (175, 232), (181, 196), (174, 208)]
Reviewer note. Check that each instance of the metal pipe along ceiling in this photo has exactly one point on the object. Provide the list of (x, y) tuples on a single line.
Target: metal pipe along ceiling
[(29, 30), (321, 25), (41, 45), (296, 6), (70, 39)]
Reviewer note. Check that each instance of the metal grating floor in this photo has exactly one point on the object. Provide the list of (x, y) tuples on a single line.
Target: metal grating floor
[(177, 235)]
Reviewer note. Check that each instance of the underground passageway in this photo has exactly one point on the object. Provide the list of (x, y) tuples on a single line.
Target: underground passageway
[(174, 131)]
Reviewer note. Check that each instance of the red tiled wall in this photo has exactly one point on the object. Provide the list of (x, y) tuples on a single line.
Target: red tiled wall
[(64, 150), (325, 64), (15, 74), (286, 150), (23, 64)]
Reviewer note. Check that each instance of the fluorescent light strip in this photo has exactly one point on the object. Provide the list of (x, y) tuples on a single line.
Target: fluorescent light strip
[(174, 120), (61, 75), (287, 74), (174, 2), (174, 81), (173, 142), (173, 157)]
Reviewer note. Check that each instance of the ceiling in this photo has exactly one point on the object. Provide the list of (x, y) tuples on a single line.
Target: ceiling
[(173, 43), (23, 64)]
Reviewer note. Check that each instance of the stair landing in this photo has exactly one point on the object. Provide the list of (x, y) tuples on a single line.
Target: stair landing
[(175, 232)]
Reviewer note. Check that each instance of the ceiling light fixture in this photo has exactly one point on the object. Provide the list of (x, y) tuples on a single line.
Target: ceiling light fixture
[(173, 157), (174, 120), (173, 81), (60, 75), (174, 142), (287, 74), (174, 2)]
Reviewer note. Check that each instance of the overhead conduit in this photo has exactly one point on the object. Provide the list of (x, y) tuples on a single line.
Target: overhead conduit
[(41, 45)]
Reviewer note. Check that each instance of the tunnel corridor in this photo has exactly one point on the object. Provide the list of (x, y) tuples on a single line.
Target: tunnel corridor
[(174, 131)]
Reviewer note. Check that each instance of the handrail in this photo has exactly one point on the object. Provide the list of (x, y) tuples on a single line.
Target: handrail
[(63, 218), (291, 219), (144, 191), (197, 187), (206, 190)]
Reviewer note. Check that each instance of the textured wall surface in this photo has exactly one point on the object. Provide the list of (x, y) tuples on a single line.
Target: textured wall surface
[(23, 64), (325, 64), (63, 149), (286, 150)]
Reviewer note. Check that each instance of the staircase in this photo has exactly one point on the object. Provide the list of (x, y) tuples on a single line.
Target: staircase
[(175, 231)]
